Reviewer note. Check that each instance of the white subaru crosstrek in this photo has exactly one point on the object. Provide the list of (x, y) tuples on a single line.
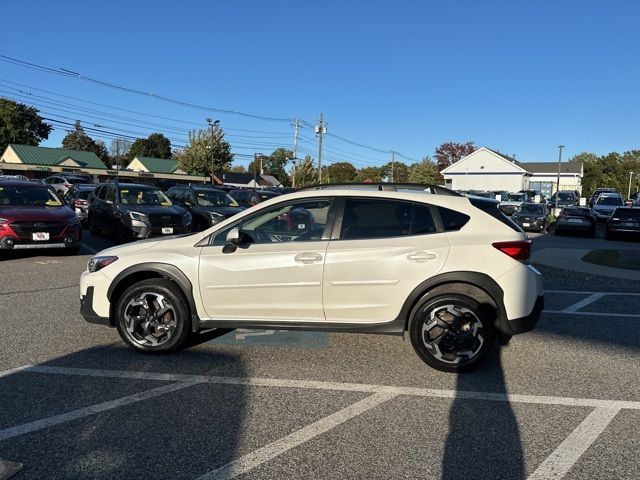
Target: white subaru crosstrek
[(451, 271)]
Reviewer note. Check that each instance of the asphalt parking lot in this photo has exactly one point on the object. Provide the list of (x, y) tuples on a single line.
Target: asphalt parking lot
[(560, 402)]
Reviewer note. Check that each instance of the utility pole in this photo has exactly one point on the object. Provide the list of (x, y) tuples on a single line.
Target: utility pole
[(629, 191), (296, 128), (560, 147), (214, 128), (117, 157), (393, 164), (321, 130)]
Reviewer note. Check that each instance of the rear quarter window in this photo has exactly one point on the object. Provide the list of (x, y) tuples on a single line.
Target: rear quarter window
[(452, 220)]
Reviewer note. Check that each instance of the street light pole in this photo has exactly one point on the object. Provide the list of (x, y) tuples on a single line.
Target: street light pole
[(560, 147), (629, 191), (214, 126)]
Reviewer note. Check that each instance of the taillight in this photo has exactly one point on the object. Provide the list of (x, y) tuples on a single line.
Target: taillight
[(518, 250)]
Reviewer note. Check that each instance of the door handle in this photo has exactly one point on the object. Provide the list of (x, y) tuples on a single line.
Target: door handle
[(308, 257), (422, 256)]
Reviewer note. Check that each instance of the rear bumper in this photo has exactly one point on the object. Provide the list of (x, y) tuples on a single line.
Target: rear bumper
[(526, 323)]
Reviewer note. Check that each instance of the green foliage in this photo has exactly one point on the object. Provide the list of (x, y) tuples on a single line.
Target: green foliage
[(306, 172), (238, 169), (77, 139), (155, 145), (21, 124), (425, 171), (196, 157), (274, 164), (340, 172), (611, 170), (400, 172), (369, 174)]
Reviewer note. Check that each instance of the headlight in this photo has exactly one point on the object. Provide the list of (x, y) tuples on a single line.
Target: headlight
[(98, 263), (216, 216), (3, 220), (137, 216)]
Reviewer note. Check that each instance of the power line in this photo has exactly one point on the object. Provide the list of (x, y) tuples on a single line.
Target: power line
[(72, 74)]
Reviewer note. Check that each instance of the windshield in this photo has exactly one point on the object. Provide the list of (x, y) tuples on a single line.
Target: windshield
[(143, 196), (531, 209), (28, 197), (633, 213), (565, 196), (214, 198), (516, 197), (609, 201), (75, 180)]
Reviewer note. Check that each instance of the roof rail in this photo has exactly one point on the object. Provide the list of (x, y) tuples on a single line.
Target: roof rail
[(384, 186)]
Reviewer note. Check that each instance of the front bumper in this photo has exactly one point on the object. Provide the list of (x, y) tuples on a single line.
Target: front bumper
[(537, 225), (140, 229), (86, 309)]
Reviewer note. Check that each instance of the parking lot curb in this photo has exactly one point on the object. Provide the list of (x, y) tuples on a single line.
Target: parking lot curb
[(571, 259)]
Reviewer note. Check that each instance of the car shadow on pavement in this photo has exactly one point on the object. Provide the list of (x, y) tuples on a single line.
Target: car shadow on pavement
[(484, 438), (171, 433)]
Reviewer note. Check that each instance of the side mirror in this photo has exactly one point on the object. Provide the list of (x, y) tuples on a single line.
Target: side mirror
[(233, 237)]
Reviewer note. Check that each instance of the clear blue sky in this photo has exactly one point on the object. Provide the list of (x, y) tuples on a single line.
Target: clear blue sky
[(518, 76)]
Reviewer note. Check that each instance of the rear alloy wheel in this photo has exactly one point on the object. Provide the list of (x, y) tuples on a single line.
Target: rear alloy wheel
[(451, 333), (153, 316)]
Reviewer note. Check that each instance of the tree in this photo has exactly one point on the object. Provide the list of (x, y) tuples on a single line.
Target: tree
[(369, 174), (155, 145), (400, 172), (340, 172), (451, 152), (119, 150), (274, 164), (196, 157), (306, 172), (611, 170), (238, 169), (77, 139), (21, 124), (424, 171)]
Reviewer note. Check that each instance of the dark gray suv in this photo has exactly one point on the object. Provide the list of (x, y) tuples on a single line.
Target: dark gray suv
[(133, 211)]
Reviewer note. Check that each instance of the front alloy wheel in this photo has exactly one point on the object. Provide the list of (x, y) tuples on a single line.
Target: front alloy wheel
[(451, 333), (152, 316)]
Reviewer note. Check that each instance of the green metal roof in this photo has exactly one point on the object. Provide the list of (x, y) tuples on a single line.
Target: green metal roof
[(54, 156), (159, 165)]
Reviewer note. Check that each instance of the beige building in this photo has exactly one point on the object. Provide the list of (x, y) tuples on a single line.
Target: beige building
[(489, 170)]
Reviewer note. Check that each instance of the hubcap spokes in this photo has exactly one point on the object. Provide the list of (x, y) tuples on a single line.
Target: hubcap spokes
[(453, 334), (150, 319)]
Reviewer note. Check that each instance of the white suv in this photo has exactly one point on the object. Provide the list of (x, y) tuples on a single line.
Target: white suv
[(450, 271)]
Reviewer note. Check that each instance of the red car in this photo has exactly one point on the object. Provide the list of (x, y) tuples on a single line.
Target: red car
[(31, 216)]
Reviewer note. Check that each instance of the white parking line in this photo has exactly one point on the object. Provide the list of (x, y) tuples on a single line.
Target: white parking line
[(349, 387), (258, 457), (91, 410), (583, 303), (582, 292), (571, 449), (6, 373), (596, 314)]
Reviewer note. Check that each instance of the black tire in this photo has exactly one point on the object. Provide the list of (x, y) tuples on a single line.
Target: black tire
[(180, 314), (446, 355)]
